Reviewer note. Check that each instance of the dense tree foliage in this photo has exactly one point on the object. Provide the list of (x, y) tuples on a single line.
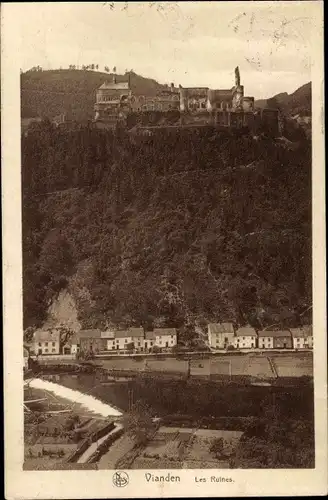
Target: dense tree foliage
[(174, 228)]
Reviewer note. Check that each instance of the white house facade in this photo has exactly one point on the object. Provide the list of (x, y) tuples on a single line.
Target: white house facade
[(220, 335), (165, 337), (46, 342), (302, 337), (265, 340), (121, 339), (246, 338)]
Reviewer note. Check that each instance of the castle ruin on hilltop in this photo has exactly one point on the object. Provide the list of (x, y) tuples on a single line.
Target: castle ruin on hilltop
[(181, 107)]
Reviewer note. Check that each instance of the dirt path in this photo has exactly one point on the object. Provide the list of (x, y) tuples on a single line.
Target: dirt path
[(118, 449), (94, 446)]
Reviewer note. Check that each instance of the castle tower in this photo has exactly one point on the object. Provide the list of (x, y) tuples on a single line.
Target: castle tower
[(183, 99), (238, 91), (237, 77)]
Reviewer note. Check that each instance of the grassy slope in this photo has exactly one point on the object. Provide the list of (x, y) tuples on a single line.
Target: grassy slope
[(49, 93)]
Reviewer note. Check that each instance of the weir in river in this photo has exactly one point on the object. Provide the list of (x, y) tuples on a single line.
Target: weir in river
[(86, 401)]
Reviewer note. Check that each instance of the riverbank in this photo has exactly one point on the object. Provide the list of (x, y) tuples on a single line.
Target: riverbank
[(241, 368), (63, 426)]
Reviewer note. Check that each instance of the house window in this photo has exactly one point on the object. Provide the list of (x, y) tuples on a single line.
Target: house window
[(151, 343), (117, 342), (53, 350), (54, 343), (203, 105), (39, 344), (46, 343), (139, 344), (243, 338), (126, 341), (46, 350)]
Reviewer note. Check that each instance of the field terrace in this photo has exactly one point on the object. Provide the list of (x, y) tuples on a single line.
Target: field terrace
[(174, 447)]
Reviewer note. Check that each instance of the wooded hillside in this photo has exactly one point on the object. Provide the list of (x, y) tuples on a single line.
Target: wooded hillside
[(181, 227)]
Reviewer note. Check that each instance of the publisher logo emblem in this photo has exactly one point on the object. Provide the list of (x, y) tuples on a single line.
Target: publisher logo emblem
[(120, 479)]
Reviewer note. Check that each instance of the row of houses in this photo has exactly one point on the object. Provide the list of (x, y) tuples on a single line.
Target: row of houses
[(223, 335), (220, 336), (131, 339)]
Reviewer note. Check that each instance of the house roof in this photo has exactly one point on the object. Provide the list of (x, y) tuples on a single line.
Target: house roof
[(109, 334), (274, 333), (130, 332), (221, 327), (96, 333), (245, 331), (150, 336), (308, 330), (266, 333), (115, 86), (136, 332), (46, 336), (298, 333), (164, 331), (302, 332)]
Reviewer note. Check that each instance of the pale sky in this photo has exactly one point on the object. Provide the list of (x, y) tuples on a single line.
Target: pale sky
[(192, 44)]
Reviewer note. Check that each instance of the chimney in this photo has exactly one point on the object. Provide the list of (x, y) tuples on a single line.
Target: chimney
[(172, 87)]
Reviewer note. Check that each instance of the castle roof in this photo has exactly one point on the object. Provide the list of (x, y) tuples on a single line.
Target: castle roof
[(195, 91), (115, 86)]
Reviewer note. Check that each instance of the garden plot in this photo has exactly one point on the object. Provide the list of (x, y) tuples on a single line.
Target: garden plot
[(200, 449), (259, 366), (293, 365), (168, 443), (230, 365), (167, 365), (200, 367)]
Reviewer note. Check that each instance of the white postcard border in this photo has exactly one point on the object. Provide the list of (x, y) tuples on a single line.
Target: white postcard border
[(98, 484)]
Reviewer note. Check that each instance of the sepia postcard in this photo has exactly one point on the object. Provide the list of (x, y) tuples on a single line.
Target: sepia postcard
[(164, 249)]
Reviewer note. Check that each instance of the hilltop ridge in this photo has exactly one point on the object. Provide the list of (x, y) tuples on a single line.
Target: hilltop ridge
[(52, 92), (299, 102)]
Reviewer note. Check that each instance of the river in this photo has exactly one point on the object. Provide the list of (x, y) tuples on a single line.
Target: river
[(194, 398)]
